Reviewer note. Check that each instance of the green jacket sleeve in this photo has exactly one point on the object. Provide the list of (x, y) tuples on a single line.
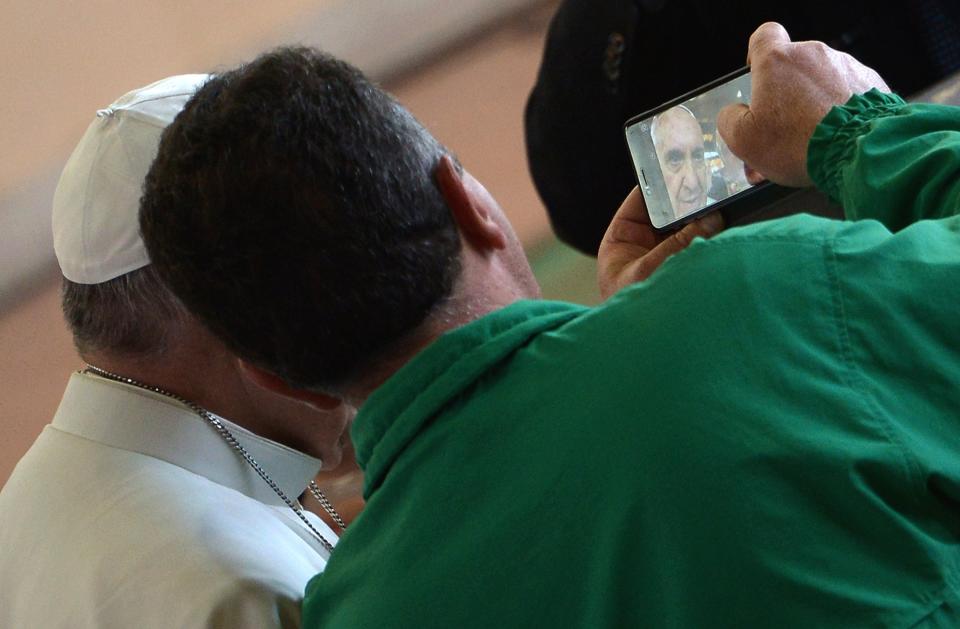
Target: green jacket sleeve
[(884, 159)]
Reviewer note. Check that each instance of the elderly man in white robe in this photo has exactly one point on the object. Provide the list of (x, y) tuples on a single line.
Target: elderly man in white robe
[(165, 491)]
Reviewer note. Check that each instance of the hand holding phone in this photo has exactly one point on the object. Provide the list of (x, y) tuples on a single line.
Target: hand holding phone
[(684, 169), (631, 250), (794, 86)]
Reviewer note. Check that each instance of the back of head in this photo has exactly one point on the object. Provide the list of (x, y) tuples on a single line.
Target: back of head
[(112, 298), (292, 208)]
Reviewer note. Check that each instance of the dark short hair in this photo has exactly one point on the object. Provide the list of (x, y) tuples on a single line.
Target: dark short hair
[(292, 207), (133, 315)]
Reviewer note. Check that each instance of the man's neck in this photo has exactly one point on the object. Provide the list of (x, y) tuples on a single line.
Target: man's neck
[(461, 308)]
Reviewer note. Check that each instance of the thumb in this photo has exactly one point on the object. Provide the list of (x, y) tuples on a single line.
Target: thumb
[(737, 127)]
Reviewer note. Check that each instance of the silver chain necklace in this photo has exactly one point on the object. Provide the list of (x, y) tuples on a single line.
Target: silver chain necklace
[(224, 432)]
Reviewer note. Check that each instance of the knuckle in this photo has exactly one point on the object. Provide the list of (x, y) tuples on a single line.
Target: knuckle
[(776, 56), (642, 270), (820, 48), (815, 50)]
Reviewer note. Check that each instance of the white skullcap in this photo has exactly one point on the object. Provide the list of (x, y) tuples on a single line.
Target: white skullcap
[(96, 232)]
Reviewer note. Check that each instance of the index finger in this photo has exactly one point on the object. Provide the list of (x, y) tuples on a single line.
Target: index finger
[(768, 36)]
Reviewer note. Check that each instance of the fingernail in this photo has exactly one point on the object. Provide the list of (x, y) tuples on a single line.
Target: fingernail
[(712, 223)]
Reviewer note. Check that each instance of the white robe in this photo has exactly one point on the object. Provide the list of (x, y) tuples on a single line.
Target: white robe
[(130, 510)]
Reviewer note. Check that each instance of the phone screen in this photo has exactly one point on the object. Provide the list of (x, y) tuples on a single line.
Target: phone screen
[(683, 166)]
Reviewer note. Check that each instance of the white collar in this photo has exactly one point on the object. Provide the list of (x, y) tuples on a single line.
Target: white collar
[(130, 418)]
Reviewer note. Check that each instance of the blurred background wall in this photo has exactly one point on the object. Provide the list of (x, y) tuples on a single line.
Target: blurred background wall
[(464, 68)]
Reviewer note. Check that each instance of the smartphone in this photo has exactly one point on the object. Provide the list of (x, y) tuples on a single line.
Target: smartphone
[(684, 168)]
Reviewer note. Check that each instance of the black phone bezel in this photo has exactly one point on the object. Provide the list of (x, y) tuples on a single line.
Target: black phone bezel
[(747, 201)]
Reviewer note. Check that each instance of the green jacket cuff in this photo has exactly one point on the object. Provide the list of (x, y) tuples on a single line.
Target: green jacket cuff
[(835, 138)]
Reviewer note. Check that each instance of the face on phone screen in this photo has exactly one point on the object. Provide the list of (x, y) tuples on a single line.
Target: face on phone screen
[(682, 163)]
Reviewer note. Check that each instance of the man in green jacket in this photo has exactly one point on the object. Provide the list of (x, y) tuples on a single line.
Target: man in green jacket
[(762, 433)]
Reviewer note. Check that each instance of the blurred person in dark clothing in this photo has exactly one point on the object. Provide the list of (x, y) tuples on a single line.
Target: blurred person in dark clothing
[(607, 61)]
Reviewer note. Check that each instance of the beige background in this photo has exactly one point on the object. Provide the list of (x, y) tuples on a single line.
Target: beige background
[(69, 59)]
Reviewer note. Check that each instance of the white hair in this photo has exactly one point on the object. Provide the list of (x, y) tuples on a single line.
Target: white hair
[(656, 120)]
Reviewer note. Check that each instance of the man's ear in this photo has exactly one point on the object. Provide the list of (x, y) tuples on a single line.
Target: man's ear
[(472, 206), (274, 383)]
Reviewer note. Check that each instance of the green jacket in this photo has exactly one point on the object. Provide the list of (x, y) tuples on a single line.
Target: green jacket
[(766, 433)]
